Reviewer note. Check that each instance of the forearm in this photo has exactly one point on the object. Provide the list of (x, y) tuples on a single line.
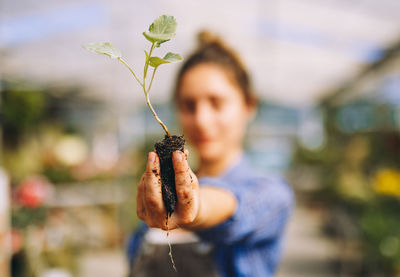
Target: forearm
[(263, 208), (215, 206)]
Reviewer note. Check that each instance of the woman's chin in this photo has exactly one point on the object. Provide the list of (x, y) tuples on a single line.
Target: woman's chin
[(208, 152)]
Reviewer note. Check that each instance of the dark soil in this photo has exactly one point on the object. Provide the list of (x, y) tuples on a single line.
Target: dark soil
[(164, 150)]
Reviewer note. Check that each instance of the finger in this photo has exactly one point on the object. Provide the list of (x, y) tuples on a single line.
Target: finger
[(183, 178), (193, 178), (140, 207), (153, 164), (152, 191)]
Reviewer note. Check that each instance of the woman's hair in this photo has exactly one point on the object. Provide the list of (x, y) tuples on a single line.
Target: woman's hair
[(212, 50)]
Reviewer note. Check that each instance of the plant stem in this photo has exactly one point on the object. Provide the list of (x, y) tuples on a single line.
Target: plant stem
[(130, 69), (152, 77), (146, 66), (146, 91), (155, 114)]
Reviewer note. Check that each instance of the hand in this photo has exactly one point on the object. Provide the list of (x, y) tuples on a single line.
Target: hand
[(150, 205)]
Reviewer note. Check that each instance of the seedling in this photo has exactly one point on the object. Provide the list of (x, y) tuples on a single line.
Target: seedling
[(161, 30)]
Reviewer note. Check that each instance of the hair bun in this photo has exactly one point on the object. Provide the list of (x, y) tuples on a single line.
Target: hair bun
[(206, 38)]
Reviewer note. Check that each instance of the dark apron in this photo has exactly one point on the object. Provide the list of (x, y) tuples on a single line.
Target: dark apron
[(191, 260)]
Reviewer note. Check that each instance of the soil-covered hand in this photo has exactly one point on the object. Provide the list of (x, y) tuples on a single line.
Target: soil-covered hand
[(150, 205)]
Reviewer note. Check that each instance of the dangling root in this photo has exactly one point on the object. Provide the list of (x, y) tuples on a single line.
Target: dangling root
[(170, 248)]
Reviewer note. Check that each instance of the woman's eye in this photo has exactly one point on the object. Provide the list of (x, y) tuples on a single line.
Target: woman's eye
[(187, 106), (217, 103)]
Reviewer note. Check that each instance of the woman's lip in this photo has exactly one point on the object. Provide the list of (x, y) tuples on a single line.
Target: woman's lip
[(203, 140)]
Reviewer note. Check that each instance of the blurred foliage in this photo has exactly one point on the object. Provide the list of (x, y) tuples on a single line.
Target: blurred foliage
[(34, 119), (46, 132), (380, 233), (359, 175), (22, 217), (22, 109)]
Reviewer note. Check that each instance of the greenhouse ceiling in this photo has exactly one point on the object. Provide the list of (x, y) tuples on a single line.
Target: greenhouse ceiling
[(296, 50)]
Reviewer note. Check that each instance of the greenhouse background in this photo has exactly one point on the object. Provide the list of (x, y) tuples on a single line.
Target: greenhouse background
[(74, 127)]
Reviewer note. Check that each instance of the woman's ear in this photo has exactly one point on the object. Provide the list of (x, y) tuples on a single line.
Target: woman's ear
[(252, 109)]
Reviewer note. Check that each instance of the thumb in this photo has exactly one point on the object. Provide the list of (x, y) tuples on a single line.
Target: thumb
[(181, 166), (185, 180)]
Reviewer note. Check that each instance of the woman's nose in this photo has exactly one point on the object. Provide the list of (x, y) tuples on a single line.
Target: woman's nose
[(203, 116)]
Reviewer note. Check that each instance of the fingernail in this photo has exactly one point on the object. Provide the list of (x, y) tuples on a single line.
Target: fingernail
[(178, 156), (152, 157)]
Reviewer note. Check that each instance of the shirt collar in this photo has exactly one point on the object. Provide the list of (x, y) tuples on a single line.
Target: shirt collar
[(238, 169)]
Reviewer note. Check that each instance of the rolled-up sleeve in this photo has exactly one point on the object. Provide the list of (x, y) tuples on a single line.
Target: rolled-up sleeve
[(264, 206)]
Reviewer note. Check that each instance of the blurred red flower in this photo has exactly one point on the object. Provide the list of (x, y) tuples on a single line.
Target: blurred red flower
[(33, 191)]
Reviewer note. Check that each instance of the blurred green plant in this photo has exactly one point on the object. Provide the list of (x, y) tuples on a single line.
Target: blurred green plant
[(380, 231), (22, 110), (359, 175)]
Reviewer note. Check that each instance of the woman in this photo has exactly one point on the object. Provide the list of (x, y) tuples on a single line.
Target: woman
[(226, 205)]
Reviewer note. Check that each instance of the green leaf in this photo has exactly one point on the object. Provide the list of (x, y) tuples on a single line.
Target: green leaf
[(161, 30), (156, 61), (168, 58), (172, 57), (105, 48)]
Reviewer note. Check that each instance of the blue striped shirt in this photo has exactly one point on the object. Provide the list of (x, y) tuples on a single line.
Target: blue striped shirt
[(249, 243)]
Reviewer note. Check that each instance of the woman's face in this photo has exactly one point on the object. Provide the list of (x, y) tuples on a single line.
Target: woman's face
[(212, 111)]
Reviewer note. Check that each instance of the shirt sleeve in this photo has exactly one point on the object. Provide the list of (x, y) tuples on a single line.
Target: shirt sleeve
[(135, 241), (262, 211)]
